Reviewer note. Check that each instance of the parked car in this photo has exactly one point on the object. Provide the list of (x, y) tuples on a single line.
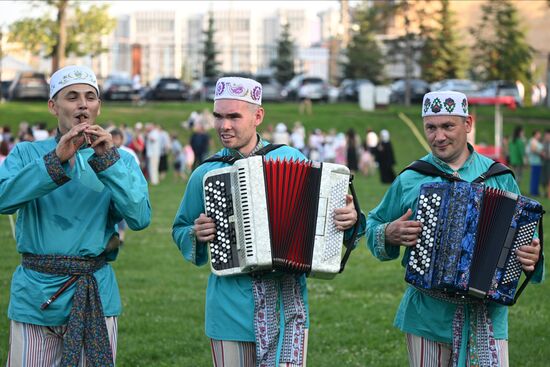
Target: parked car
[(117, 88), (168, 89), (209, 88), (271, 89), (349, 89), (466, 86), (500, 88), (419, 87), (29, 85), (302, 87)]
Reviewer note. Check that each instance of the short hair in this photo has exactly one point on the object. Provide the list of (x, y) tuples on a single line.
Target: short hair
[(117, 132)]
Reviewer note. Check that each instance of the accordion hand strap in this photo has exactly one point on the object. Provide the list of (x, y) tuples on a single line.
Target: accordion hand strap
[(530, 274), (349, 244)]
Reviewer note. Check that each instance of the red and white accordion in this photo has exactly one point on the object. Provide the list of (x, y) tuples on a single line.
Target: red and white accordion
[(276, 215)]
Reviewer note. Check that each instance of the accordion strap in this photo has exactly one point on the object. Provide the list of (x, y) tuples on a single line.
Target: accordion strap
[(529, 275), (230, 159), (428, 169), (349, 243)]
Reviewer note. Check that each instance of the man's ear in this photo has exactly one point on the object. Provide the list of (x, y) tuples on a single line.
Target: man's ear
[(469, 123), (259, 116), (52, 107)]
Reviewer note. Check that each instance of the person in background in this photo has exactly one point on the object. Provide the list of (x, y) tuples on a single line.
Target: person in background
[(516, 150), (280, 135), (545, 178), (534, 158), (64, 299), (352, 148), (118, 139), (4, 150), (180, 159), (200, 143), (385, 158)]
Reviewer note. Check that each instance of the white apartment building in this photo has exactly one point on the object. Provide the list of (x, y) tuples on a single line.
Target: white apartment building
[(171, 44)]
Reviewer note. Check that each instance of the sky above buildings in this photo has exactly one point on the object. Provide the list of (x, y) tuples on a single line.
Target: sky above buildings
[(11, 10)]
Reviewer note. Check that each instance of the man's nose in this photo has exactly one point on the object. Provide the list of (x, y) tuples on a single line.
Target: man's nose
[(225, 124), (440, 135), (82, 103)]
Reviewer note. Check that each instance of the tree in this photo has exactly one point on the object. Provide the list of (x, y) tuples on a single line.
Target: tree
[(442, 56), (78, 35), (284, 62), (210, 65), (501, 52), (364, 57)]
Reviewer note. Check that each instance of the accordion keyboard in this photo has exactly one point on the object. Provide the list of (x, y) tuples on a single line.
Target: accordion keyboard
[(427, 213), (218, 200), (523, 237)]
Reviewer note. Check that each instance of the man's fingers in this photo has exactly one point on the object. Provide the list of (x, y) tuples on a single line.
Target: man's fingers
[(405, 216)]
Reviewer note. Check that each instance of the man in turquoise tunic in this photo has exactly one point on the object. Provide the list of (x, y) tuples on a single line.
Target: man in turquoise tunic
[(69, 192), (251, 321), (428, 321)]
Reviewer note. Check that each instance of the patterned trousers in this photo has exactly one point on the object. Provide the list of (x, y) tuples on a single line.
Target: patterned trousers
[(42, 346), (241, 354), (428, 353)]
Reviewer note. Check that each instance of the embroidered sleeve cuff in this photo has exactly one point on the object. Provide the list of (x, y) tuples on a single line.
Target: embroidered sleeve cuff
[(100, 163), (384, 252), (199, 253), (55, 168), (193, 239)]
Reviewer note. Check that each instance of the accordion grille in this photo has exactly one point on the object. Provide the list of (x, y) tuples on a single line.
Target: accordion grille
[(333, 245), (244, 205)]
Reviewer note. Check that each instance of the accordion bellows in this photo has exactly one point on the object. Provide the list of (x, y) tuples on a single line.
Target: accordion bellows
[(470, 233), (276, 215)]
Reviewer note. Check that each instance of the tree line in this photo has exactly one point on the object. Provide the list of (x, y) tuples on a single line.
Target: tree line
[(501, 51)]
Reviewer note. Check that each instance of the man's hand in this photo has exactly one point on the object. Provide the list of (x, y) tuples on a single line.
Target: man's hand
[(345, 218), (403, 231), (205, 228), (528, 255), (71, 142), (101, 140)]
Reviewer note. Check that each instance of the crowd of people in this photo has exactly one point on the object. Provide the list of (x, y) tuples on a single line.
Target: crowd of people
[(361, 155), (533, 153), (156, 149)]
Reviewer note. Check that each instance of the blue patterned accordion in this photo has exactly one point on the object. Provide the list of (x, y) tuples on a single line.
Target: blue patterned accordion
[(469, 236)]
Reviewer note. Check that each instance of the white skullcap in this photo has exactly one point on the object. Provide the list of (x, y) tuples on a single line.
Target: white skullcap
[(243, 89), (70, 75), (281, 127), (445, 103), (384, 136)]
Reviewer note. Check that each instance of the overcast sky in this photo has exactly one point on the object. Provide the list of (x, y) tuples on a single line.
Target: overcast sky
[(11, 10)]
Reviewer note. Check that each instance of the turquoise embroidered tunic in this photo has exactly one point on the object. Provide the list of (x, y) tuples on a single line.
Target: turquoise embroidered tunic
[(67, 210), (418, 313), (229, 300)]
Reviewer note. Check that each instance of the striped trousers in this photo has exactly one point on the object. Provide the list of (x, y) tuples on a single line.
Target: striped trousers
[(428, 353), (242, 354), (42, 346)]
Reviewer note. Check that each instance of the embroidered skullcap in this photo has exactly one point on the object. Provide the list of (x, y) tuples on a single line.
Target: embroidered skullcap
[(243, 89), (70, 75), (445, 102)]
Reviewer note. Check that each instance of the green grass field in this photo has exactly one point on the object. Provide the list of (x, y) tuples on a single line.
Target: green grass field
[(351, 316)]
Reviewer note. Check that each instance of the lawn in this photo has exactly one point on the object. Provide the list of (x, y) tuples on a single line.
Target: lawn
[(351, 316)]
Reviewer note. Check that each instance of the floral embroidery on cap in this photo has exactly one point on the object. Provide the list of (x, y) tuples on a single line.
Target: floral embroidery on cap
[(449, 104), (436, 105)]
